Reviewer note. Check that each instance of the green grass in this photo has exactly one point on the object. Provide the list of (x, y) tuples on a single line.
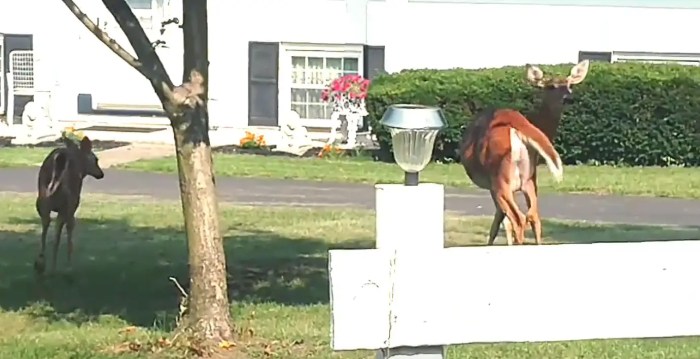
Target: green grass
[(127, 248), (646, 181), (22, 156)]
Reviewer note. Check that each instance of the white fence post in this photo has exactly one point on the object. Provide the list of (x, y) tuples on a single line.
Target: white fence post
[(410, 217)]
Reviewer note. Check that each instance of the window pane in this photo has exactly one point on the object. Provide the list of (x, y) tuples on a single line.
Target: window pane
[(140, 4), (315, 73), (350, 65), (298, 65), (317, 111), (298, 95), (334, 67), (314, 96), (300, 109), (334, 63)]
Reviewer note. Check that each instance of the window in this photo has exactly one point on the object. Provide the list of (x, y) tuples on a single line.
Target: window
[(656, 57), (144, 11), (310, 73), (669, 4), (691, 59), (140, 4)]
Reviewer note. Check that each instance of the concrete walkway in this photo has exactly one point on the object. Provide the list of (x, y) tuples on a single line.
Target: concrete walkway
[(134, 152), (591, 208)]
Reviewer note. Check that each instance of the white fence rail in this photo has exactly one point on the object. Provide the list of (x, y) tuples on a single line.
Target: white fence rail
[(418, 297)]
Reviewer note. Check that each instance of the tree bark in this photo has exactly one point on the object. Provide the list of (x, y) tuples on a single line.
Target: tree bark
[(208, 315)]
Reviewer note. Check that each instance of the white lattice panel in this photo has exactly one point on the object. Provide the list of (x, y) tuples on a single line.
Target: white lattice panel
[(22, 69)]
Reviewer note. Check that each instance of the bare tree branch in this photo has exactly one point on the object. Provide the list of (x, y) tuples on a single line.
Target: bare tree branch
[(103, 37)]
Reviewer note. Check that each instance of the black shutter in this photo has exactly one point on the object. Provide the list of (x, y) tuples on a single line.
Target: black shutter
[(601, 56), (373, 58), (263, 83)]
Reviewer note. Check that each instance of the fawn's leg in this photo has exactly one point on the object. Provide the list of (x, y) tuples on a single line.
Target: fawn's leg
[(533, 212), (45, 215), (60, 222), (70, 224)]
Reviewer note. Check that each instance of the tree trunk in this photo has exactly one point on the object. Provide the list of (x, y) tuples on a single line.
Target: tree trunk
[(208, 317)]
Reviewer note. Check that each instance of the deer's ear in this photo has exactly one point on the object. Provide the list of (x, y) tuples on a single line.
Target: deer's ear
[(535, 75), (578, 73), (86, 144)]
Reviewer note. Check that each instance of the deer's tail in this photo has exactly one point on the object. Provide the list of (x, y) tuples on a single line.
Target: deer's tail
[(60, 166), (533, 137)]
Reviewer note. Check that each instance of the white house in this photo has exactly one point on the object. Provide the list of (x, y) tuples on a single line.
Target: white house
[(268, 57)]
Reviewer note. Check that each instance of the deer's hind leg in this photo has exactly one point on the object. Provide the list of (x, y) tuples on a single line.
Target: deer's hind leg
[(498, 218), (516, 219), (70, 225), (44, 212), (533, 212), (60, 222)]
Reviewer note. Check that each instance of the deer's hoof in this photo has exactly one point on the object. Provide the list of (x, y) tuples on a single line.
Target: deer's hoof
[(39, 266), (67, 274)]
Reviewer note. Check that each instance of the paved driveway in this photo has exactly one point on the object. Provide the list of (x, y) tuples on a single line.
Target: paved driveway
[(612, 209)]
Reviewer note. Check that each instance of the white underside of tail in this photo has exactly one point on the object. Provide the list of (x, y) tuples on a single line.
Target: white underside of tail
[(518, 141)]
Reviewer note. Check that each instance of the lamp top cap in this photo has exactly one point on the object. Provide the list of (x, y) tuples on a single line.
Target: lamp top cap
[(414, 117)]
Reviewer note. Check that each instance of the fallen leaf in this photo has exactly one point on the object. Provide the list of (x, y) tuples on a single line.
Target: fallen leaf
[(163, 342), (127, 330), (298, 342), (225, 344), (268, 350)]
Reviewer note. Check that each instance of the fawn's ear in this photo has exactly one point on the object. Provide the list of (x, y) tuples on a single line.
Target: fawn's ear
[(86, 144), (578, 73), (535, 76)]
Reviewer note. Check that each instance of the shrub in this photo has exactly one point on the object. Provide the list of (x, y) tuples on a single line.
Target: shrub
[(624, 114)]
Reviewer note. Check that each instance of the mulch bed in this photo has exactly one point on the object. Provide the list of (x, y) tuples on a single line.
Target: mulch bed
[(236, 150), (312, 152), (97, 145)]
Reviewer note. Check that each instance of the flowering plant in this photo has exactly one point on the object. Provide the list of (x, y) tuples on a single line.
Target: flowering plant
[(330, 151), (347, 94), (250, 140), (70, 134)]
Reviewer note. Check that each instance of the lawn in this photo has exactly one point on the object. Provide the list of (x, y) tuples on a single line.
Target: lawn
[(22, 156), (646, 181), (118, 297)]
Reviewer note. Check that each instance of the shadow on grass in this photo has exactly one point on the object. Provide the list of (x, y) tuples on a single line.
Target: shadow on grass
[(123, 271)]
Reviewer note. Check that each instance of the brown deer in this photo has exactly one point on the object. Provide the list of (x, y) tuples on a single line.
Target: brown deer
[(503, 159), (556, 93), (60, 183)]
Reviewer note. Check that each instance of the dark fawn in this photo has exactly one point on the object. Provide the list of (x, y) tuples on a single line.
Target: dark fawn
[(59, 186), (500, 152)]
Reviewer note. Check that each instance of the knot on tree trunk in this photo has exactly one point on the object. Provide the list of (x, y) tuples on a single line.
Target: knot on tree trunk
[(188, 94)]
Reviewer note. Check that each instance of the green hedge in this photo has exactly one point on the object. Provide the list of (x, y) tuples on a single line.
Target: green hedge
[(624, 114)]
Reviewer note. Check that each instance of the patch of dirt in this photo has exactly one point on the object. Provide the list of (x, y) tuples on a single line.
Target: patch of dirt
[(237, 150)]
